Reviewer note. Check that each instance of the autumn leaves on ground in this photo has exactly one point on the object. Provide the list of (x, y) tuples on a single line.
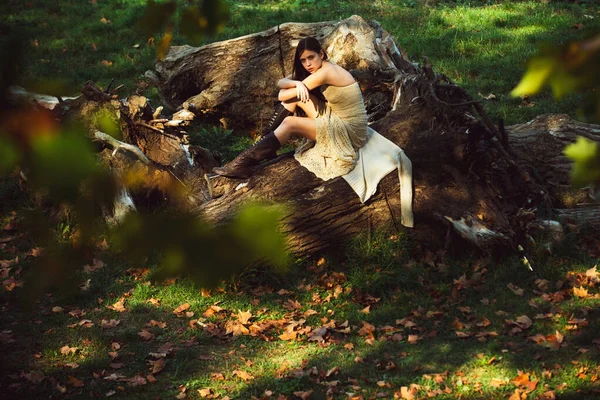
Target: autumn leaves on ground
[(381, 319)]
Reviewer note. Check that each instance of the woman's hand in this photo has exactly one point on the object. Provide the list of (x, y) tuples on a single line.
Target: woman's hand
[(302, 92)]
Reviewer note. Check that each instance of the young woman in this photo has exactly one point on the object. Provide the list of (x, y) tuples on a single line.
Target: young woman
[(335, 126)]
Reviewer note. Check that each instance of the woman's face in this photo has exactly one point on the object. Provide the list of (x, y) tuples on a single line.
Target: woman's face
[(311, 60)]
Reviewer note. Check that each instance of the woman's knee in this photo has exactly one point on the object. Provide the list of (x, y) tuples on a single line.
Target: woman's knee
[(288, 121)]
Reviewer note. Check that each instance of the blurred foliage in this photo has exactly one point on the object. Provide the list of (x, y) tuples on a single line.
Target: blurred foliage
[(62, 171), (586, 161), (570, 68), (194, 21)]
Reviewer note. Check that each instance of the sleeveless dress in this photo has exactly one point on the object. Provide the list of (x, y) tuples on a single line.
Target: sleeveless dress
[(341, 131)]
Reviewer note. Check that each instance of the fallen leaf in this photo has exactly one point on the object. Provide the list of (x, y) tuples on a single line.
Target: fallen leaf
[(106, 63), (580, 292), (119, 306), (303, 395), (34, 376), (244, 316), (179, 310), (57, 309), (75, 382), (153, 301), (136, 381), (152, 323), (104, 20), (157, 366), (96, 265), (407, 393), (109, 324), (592, 273), (539, 338), (515, 289), (68, 350), (288, 335), (236, 328), (205, 392), (243, 375), (495, 382), (145, 335)]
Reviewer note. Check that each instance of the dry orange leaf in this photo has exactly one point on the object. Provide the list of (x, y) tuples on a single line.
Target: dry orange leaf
[(146, 335), (407, 393), (244, 316), (413, 339), (592, 273), (136, 381), (75, 382), (106, 324), (243, 375), (495, 383), (158, 366), (181, 309), (119, 306), (288, 335), (236, 328), (539, 338), (303, 395), (580, 292), (68, 350)]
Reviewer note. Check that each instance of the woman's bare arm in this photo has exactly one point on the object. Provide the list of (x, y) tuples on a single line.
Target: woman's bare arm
[(286, 83), (312, 81)]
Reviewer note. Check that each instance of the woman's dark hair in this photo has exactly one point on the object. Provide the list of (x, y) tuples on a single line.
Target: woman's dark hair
[(299, 73), (308, 43)]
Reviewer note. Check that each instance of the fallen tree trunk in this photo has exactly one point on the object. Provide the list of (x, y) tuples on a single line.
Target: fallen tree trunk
[(474, 183)]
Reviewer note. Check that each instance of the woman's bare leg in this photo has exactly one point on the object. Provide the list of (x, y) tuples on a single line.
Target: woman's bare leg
[(300, 126), (309, 108)]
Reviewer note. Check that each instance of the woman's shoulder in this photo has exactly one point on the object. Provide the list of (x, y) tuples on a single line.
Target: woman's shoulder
[(338, 75)]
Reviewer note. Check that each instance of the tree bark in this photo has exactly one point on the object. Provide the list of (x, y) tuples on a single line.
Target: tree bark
[(473, 185)]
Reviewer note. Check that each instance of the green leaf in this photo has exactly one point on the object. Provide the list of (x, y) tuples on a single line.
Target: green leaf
[(205, 19), (61, 163), (156, 17), (538, 71), (9, 155), (564, 83), (586, 161), (259, 227)]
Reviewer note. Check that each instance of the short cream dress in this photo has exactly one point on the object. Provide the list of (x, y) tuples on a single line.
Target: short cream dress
[(341, 131)]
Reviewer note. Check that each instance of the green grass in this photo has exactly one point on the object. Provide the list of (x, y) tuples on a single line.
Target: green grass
[(482, 45), (379, 279), (407, 293)]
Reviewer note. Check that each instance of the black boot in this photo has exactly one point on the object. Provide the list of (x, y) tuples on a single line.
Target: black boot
[(241, 166), (279, 114)]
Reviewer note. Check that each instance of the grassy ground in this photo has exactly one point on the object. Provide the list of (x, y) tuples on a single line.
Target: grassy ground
[(382, 319), (481, 45)]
